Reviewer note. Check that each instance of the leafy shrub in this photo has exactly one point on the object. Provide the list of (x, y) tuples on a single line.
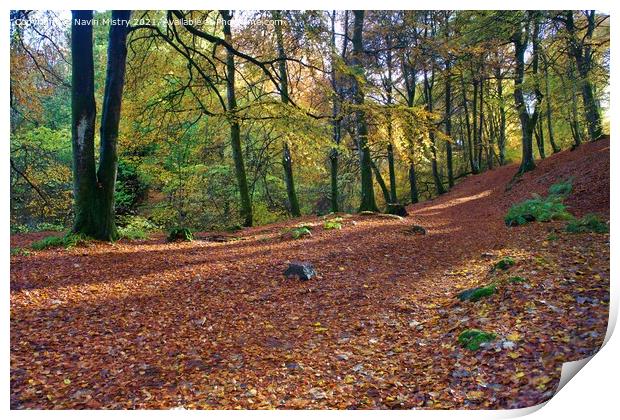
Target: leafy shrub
[(300, 232), (563, 188), (333, 224), (135, 227), (474, 295), (505, 263), (472, 339), (180, 234), (517, 279), (588, 223), (537, 209), (67, 241)]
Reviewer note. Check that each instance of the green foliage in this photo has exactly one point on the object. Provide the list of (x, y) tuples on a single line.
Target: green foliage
[(474, 295), (588, 223), (472, 339), (537, 209), (505, 263), (19, 251), (300, 232), (552, 236), (69, 240), (517, 279), (333, 224), (180, 234), (563, 188), (134, 227)]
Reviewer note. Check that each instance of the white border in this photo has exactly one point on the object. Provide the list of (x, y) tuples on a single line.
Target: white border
[(593, 394)]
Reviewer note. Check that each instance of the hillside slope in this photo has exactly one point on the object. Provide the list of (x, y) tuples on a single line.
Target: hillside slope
[(216, 324)]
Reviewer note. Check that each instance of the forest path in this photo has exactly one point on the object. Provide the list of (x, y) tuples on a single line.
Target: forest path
[(216, 325)]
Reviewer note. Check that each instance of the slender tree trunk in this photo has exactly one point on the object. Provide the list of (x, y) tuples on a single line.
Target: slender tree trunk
[(390, 154), (540, 139), (501, 142), (580, 49), (94, 191), (475, 127), (413, 184), (381, 182), (554, 145), (439, 188), (367, 202), (448, 118), (336, 131), (575, 126), (235, 129), (481, 125), (470, 153), (287, 161)]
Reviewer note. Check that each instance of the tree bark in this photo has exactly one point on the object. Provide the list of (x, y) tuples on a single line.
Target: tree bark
[(528, 123), (367, 202), (501, 142), (413, 184), (554, 145), (580, 49), (448, 118), (235, 129), (94, 188), (287, 161)]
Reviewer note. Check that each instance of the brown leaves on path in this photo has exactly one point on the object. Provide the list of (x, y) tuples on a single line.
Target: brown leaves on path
[(149, 324)]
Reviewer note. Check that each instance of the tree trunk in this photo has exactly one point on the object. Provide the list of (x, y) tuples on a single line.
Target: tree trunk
[(448, 118), (580, 48), (540, 139), (94, 191), (390, 154), (481, 124), (287, 161), (381, 182), (527, 123), (439, 188), (83, 115), (501, 142), (333, 154), (554, 146), (235, 130), (413, 184), (470, 153), (367, 202)]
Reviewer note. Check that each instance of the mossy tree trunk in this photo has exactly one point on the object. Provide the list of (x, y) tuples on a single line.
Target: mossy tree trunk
[(367, 202), (235, 129), (94, 188)]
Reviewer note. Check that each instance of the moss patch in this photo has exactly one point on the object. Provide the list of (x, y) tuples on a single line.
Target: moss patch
[(505, 263), (477, 293), (67, 241), (472, 339)]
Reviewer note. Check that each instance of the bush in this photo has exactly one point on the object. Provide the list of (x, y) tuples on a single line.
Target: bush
[(19, 251), (472, 339), (180, 234), (537, 209), (135, 227), (517, 279), (562, 189), (300, 232), (588, 223), (67, 241), (333, 224)]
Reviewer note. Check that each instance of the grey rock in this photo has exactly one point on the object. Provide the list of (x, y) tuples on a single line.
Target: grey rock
[(302, 270)]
